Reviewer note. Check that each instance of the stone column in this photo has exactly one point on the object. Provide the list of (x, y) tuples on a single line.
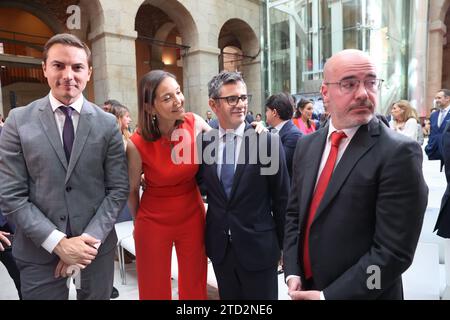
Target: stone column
[(199, 66), (114, 64), (252, 76), (417, 66), (437, 30)]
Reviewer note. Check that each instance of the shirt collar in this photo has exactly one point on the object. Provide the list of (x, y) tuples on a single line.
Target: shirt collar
[(280, 125), (55, 103), (239, 131), (445, 109), (349, 132)]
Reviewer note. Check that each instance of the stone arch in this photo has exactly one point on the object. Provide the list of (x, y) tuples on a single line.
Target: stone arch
[(238, 33), (37, 10), (172, 21), (180, 16)]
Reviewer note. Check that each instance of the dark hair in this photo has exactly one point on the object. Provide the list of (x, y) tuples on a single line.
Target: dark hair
[(446, 92), (300, 106), (112, 102), (146, 97), (282, 102), (223, 78), (66, 39)]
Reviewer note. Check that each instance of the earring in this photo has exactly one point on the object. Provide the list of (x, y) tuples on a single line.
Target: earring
[(154, 120)]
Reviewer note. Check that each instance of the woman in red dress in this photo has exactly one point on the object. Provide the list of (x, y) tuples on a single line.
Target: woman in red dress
[(171, 210)]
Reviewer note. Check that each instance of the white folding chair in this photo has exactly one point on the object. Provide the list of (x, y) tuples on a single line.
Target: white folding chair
[(123, 230), (127, 243)]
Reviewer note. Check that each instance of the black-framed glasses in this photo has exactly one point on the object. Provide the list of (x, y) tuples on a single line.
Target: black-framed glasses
[(234, 100), (348, 86)]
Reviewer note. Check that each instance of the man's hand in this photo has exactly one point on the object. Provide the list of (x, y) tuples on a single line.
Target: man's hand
[(305, 295), (62, 269), (259, 127), (77, 250), (4, 239)]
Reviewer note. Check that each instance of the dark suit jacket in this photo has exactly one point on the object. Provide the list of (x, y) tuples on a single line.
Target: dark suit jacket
[(443, 220), (370, 215), (256, 209), (434, 147), (289, 136)]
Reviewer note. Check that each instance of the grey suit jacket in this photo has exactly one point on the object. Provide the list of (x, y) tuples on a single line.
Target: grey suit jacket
[(40, 190)]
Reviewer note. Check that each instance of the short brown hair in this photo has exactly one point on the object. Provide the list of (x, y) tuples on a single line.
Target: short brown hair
[(66, 39)]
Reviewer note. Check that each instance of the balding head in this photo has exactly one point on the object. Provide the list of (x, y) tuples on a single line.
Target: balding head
[(348, 56), (350, 88)]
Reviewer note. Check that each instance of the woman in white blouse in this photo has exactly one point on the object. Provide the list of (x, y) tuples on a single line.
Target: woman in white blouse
[(404, 119)]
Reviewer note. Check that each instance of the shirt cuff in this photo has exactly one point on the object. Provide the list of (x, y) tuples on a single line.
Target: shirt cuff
[(52, 240), (322, 297), (292, 276)]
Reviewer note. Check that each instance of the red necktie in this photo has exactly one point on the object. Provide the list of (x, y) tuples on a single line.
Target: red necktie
[(321, 187)]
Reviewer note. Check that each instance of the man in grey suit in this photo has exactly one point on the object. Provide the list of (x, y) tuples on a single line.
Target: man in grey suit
[(64, 181)]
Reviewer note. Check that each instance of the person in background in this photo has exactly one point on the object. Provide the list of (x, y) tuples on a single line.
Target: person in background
[(355, 213), (404, 120), (303, 117), (208, 116), (109, 104), (438, 121), (279, 114), (260, 120)]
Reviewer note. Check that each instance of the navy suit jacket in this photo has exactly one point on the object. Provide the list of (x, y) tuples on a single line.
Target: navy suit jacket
[(443, 220), (434, 147), (289, 136), (255, 212)]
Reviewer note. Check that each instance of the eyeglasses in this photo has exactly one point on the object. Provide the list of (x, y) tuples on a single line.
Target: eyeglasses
[(348, 86), (234, 100)]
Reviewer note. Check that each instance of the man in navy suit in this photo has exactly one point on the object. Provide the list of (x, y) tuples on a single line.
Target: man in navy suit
[(443, 220), (279, 112), (246, 182), (438, 122)]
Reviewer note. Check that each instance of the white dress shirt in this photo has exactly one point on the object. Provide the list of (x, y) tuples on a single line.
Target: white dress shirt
[(442, 115), (55, 237), (239, 132)]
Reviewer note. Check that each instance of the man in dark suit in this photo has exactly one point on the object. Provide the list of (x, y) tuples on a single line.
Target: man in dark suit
[(64, 181), (443, 221), (357, 196), (247, 193), (279, 113), (438, 122)]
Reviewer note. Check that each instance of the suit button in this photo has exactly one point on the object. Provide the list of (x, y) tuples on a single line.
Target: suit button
[(62, 218), (68, 188)]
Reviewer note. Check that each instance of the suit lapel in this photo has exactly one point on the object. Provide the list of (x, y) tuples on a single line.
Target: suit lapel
[(83, 129), (361, 143), (210, 150), (47, 118)]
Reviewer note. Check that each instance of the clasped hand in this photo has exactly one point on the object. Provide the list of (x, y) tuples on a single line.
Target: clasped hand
[(79, 251)]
